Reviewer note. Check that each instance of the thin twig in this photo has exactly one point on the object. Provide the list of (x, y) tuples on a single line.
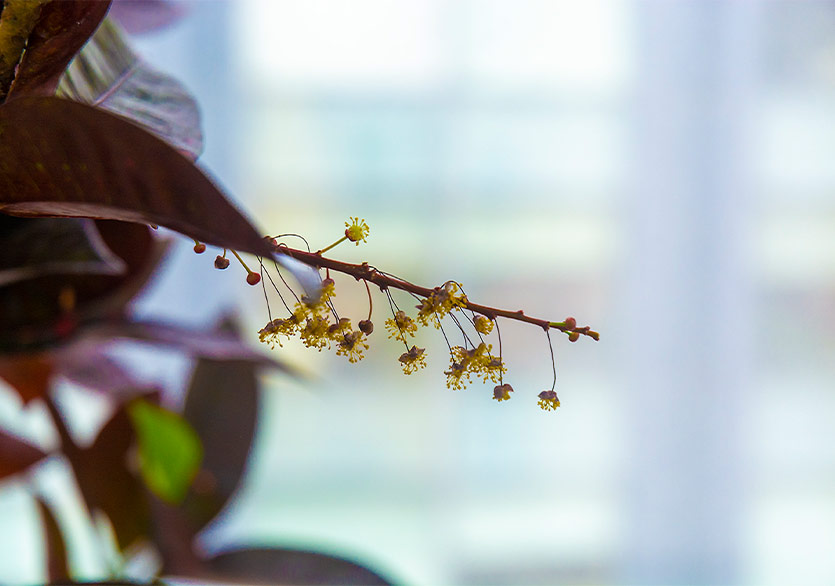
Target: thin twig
[(385, 280)]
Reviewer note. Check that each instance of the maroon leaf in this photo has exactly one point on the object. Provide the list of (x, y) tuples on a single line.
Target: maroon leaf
[(35, 247), (86, 363), (16, 455), (288, 566), (62, 29), (205, 343), (173, 536), (42, 311), (61, 158), (141, 16), (108, 74), (107, 484), (28, 374), (222, 407), (56, 552)]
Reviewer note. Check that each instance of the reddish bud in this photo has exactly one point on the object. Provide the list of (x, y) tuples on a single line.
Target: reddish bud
[(199, 248), (573, 336), (253, 278), (570, 323), (272, 242), (366, 327), (221, 262)]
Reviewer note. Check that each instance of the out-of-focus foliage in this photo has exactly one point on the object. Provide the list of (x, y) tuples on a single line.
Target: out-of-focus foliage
[(84, 180)]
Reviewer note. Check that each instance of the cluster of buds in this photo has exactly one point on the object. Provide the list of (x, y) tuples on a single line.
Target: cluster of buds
[(317, 324)]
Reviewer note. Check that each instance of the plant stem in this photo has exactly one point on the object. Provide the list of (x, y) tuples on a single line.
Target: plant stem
[(367, 273)]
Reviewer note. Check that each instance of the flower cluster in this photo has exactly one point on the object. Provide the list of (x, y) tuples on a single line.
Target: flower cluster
[(440, 302), (318, 325), (478, 361), (310, 320)]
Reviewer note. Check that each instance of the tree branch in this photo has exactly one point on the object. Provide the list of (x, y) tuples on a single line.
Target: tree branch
[(367, 273)]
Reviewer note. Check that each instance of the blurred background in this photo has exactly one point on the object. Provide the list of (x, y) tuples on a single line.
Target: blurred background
[(660, 170)]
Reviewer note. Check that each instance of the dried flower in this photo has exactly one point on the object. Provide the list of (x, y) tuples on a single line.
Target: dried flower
[(548, 400), (502, 392), (412, 360), (400, 326)]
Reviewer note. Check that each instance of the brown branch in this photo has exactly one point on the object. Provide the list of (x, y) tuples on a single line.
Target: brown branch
[(68, 445), (369, 274)]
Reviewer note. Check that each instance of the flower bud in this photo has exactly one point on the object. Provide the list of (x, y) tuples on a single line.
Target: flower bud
[(502, 392), (221, 262), (366, 326), (570, 323), (253, 278), (199, 248)]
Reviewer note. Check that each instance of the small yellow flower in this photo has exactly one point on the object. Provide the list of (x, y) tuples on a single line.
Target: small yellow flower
[(272, 332), (455, 376), (352, 345), (548, 401), (356, 230), (400, 326), (413, 359), (493, 370), (440, 302), (502, 392), (482, 324), (315, 333)]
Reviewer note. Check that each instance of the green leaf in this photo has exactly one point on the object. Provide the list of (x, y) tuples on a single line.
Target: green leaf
[(170, 452)]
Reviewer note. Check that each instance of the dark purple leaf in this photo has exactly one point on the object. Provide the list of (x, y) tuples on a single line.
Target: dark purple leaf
[(222, 407), (36, 247), (56, 552), (45, 310), (107, 484), (62, 29), (62, 158), (86, 363), (107, 74), (28, 374), (205, 343), (141, 16), (173, 536), (288, 566), (16, 455)]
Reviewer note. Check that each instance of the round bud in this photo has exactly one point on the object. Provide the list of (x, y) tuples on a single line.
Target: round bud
[(199, 248), (570, 323), (221, 263), (573, 336), (366, 327), (253, 278)]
